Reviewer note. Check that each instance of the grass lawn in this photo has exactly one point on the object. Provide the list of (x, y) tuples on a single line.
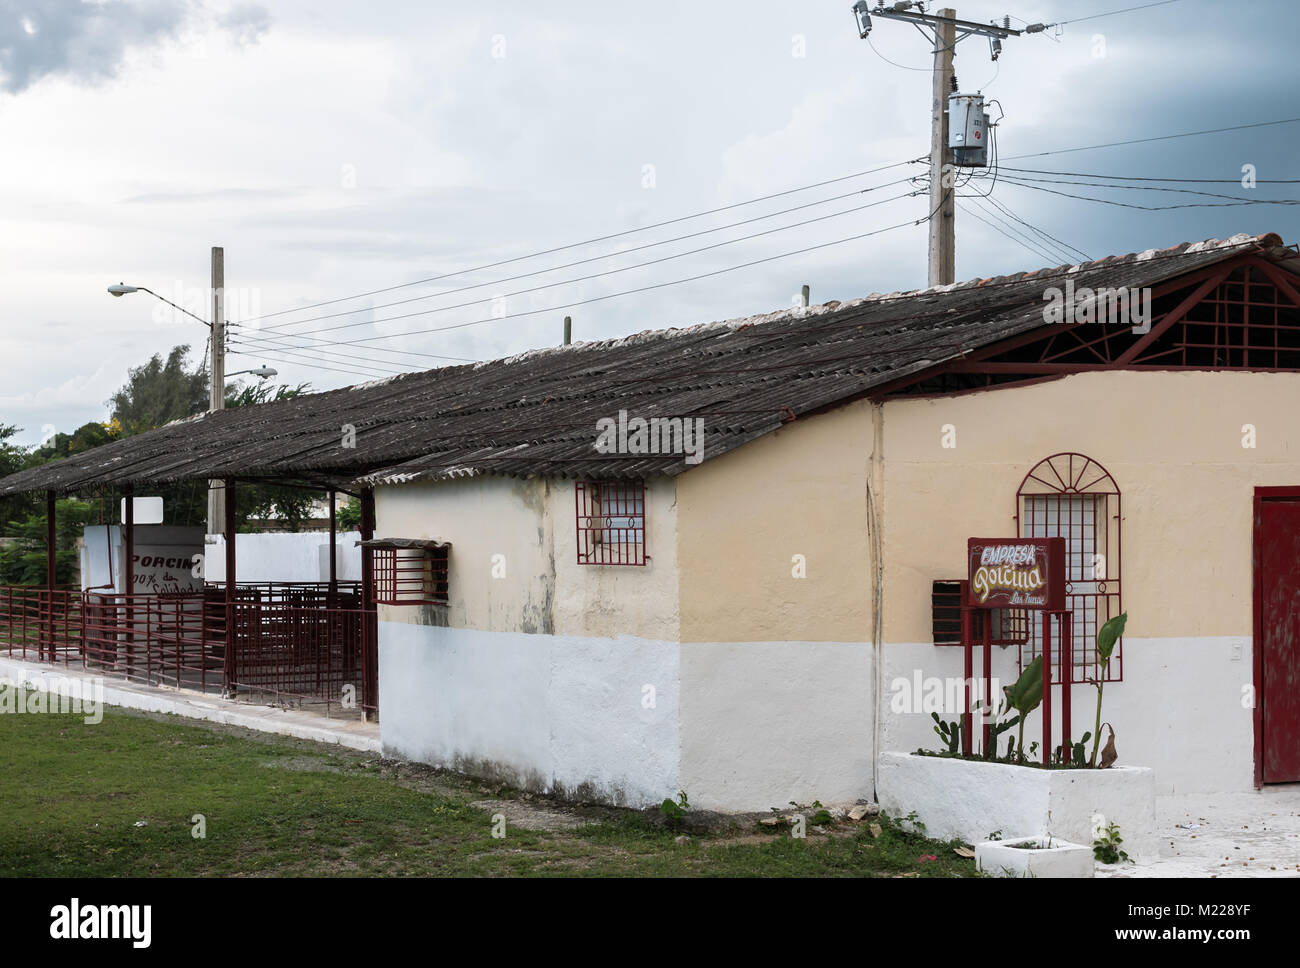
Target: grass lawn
[(120, 798)]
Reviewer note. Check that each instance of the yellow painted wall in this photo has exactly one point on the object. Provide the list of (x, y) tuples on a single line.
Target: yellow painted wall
[(1172, 442), (742, 517)]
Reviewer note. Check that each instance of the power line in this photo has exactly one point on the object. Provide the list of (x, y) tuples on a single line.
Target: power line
[(904, 67), (268, 354), (1111, 13), (1191, 181), (1151, 208), (1054, 248), (1150, 188), (640, 289), (1005, 232), (1071, 251), (1062, 246), (596, 258), (283, 340), (322, 352), (592, 241), (608, 272), (1166, 137)]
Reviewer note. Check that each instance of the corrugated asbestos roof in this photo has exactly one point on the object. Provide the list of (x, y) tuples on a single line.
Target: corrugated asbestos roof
[(536, 413)]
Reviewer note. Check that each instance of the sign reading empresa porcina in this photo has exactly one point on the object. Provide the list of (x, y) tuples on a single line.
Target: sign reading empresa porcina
[(1016, 573)]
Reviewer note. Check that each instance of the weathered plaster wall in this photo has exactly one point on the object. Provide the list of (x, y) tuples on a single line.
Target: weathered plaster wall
[(513, 564), (539, 675), (482, 517)]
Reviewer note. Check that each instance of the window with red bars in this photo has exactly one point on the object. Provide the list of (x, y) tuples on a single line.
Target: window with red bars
[(410, 575), (610, 518)]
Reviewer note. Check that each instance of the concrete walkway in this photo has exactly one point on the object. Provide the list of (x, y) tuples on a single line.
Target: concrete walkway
[(350, 732), (1246, 834)]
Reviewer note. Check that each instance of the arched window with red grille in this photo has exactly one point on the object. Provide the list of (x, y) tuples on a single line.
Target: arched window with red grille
[(1071, 496)]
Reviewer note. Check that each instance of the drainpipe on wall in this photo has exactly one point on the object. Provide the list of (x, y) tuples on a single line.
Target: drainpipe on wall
[(875, 478)]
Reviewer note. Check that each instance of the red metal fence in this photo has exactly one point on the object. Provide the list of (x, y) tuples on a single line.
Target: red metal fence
[(307, 645)]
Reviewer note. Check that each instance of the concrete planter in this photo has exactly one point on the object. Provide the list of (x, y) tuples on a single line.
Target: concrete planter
[(970, 799), (1037, 856)]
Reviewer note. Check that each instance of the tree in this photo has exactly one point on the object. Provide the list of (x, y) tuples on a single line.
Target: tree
[(23, 561), (159, 392), (256, 502), (15, 458), (89, 435), (349, 516)]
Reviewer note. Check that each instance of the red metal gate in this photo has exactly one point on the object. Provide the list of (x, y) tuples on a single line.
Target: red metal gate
[(1277, 635)]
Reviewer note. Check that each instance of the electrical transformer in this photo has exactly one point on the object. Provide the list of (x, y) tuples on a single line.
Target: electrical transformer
[(968, 130)]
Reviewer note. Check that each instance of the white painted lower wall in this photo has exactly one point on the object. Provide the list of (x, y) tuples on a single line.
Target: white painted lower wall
[(545, 712), (631, 721), (748, 726), (1179, 709), (764, 723)]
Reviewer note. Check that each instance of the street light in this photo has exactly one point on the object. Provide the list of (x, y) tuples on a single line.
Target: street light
[(217, 357), (121, 289), (261, 371)]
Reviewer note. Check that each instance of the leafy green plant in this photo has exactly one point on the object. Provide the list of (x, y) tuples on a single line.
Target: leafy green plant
[(1106, 639), (674, 812), (1023, 696), (908, 827), (1106, 845)]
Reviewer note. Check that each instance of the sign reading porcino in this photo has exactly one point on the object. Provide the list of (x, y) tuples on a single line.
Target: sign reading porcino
[(1016, 573)]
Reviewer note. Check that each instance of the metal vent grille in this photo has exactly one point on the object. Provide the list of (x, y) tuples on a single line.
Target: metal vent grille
[(410, 576)]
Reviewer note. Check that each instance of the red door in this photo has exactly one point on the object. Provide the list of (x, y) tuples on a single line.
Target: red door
[(1277, 545)]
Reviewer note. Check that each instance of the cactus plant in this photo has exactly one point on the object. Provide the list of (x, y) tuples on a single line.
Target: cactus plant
[(950, 733)]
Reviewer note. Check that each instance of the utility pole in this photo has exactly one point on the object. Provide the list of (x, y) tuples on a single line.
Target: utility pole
[(944, 31), (941, 257), (217, 395)]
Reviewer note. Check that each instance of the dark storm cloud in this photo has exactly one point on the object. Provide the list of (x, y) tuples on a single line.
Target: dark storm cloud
[(88, 40)]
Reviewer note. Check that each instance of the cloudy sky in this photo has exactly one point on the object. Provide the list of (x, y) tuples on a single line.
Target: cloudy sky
[(339, 148)]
